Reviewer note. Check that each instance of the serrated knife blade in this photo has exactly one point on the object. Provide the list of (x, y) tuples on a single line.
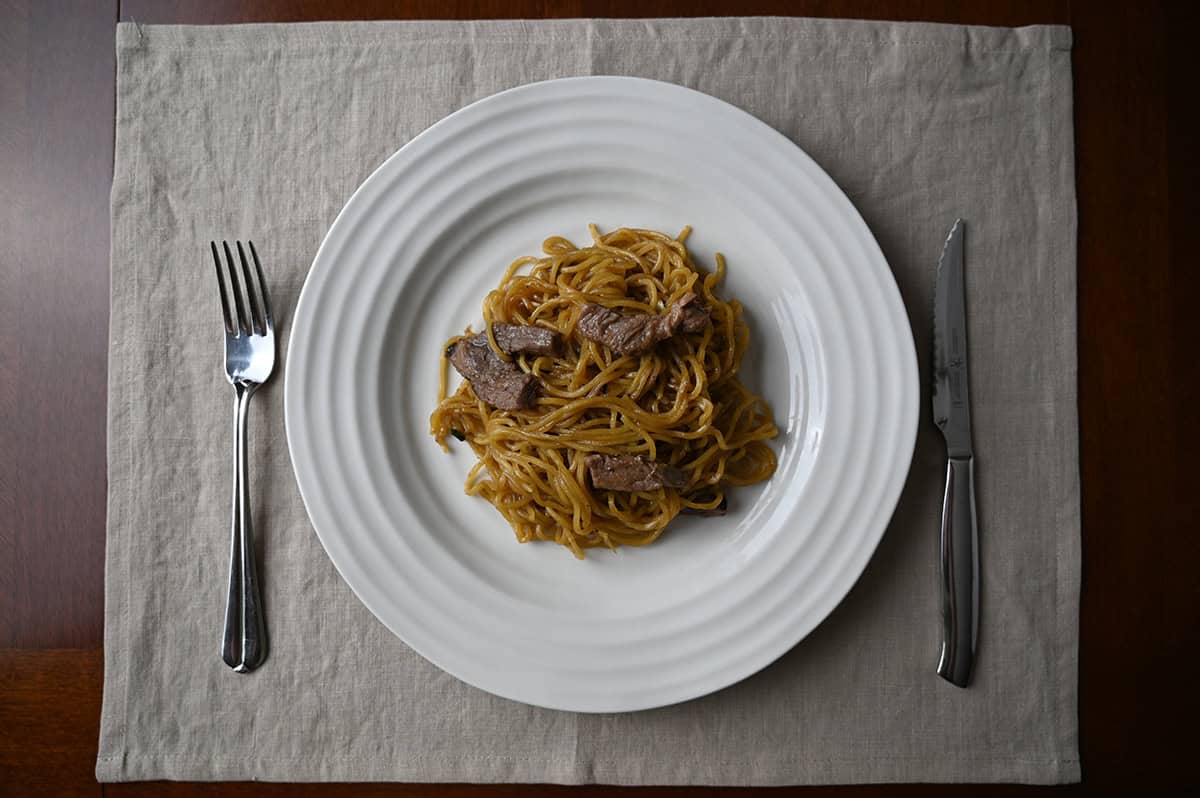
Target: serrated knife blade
[(951, 394), (959, 534)]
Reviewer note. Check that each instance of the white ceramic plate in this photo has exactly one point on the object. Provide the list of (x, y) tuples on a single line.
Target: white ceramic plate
[(407, 264)]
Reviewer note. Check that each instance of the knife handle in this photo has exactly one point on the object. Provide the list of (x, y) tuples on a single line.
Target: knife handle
[(960, 572)]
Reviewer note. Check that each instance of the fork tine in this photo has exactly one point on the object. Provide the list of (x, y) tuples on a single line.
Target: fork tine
[(236, 290), (252, 303), (262, 288), (221, 287)]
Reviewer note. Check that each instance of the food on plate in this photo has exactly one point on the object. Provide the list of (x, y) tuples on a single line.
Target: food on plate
[(602, 397)]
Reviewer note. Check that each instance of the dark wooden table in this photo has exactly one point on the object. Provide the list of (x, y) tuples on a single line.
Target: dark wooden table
[(1136, 177)]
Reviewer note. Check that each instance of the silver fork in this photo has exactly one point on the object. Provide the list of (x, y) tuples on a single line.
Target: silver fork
[(249, 361)]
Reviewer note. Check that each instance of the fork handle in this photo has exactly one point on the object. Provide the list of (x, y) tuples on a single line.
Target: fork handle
[(244, 641)]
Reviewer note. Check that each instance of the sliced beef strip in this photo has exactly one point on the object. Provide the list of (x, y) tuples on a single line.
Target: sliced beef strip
[(635, 333), (630, 472), (625, 335), (695, 319), (499, 383), (518, 339)]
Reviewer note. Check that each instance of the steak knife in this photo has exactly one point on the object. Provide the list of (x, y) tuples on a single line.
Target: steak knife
[(952, 414)]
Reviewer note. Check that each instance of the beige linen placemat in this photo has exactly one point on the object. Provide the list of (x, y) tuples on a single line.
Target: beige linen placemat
[(263, 132)]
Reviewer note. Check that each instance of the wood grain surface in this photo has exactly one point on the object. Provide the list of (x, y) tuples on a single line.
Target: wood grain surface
[(1136, 171)]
